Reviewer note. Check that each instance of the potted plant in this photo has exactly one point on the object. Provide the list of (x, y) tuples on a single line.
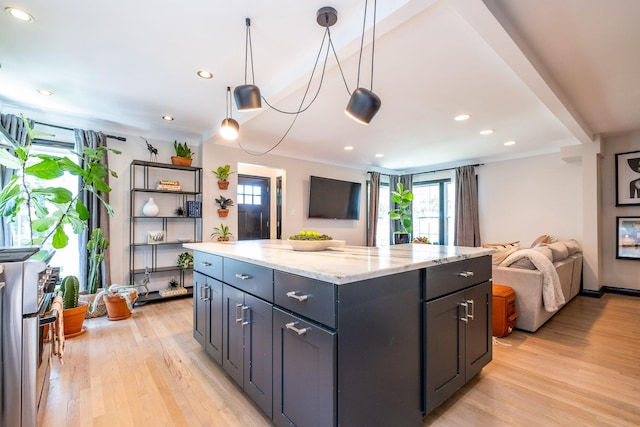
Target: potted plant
[(96, 247), (402, 212), (49, 208), (185, 260), (74, 310), (222, 173), (222, 233), (183, 154), (119, 300), (223, 202)]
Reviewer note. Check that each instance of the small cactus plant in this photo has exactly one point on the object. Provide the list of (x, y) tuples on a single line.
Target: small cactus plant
[(70, 288)]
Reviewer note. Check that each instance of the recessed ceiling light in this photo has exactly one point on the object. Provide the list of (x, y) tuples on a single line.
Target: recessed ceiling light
[(19, 14), (462, 117), (486, 132), (167, 118), (379, 155), (44, 92), (204, 74), (510, 143), (348, 148)]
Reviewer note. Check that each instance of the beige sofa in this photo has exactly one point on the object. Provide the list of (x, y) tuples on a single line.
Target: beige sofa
[(528, 285)]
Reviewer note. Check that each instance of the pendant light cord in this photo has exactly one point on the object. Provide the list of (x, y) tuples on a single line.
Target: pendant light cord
[(248, 49), (373, 41)]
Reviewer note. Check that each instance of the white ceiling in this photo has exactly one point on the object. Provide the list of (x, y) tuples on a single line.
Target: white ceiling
[(541, 72)]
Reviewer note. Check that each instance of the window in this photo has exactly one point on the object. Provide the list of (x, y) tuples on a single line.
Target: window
[(433, 210), (383, 232), (249, 194), (67, 258)]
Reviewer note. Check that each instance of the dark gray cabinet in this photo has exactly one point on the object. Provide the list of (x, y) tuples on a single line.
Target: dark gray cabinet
[(248, 346), (304, 372), (207, 314), (457, 330)]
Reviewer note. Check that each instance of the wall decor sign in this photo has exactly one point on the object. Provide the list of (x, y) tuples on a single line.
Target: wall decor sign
[(628, 237), (628, 178)]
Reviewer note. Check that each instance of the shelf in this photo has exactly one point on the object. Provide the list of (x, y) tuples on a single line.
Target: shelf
[(160, 269), (155, 296), (153, 190), (164, 243), (164, 165), (165, 217)]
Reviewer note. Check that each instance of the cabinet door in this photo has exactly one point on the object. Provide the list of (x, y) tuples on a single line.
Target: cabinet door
[(479, 329), (304, 373), (444, 349), (200, 294), (213, 342), (258, 352), (233, 346)]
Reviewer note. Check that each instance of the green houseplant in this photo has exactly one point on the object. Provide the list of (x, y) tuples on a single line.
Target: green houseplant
[(185, 260), (74, 310), (222, 233), (223, 202), (49, 208), (96, 246), (222, 173), (183, 154), (402, 212)]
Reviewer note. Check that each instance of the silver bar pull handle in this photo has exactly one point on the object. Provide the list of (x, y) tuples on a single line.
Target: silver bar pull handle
[(239, 317), (245, 309), (205, 263), (466, 312), (242, 276), (292, 326), (471, 304), (294, 295), (466, 274), (204, 295)]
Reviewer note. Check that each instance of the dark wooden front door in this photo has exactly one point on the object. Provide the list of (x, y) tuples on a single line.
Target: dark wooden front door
[(253, 207)]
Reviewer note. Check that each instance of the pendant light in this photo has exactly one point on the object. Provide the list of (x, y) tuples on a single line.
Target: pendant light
[(364, 104), (229, 128), (248, 96)]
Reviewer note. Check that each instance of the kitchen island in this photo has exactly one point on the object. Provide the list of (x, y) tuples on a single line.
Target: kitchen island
[(344, 336)]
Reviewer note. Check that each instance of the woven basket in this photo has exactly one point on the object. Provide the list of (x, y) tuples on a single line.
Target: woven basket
[(101, 309)]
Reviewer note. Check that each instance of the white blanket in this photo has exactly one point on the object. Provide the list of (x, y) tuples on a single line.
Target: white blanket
[(552, 296)]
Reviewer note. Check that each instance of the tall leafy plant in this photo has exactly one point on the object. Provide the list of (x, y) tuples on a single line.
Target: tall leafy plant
[(96, 246), (50, 208), (402, 212)]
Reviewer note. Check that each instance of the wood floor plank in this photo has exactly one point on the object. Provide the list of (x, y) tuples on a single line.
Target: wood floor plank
[(581, 368)]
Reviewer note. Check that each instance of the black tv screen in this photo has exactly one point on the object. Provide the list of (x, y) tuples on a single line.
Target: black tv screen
[(333, 199)]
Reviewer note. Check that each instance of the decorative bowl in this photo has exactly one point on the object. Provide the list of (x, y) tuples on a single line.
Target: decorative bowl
[(315, 245), (184, 239)]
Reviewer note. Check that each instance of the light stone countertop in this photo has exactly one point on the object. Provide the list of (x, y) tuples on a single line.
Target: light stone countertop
[(339, 265)]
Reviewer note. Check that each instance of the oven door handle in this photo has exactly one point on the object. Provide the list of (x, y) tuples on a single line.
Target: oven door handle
[(45, 320), (52, 316)]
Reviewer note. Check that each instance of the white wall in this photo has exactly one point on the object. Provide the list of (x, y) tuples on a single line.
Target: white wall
[(616, 272), (295, 174), (524, 198)]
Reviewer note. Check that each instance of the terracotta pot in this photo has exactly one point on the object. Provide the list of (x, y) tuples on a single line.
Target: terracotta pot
[(223, 185), (73, 320), (222, 213), (117, 308), (181, 161), (223, 239)]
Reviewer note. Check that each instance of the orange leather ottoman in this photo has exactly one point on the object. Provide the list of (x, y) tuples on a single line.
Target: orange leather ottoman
[(504, 310)]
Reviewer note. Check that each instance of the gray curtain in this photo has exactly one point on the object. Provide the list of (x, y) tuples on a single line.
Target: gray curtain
[(374, 204), (467, 232), (17, 130), (98, 217)]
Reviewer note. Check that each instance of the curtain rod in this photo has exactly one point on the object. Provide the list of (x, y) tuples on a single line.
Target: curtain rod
[(438, 170), (119, 138)]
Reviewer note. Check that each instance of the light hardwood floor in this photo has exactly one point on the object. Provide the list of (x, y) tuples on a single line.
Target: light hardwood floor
[(581, 369)]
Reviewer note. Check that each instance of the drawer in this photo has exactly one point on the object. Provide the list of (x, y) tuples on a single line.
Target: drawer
[(451, 277), (208, 264), (310, 298), (250, 278)]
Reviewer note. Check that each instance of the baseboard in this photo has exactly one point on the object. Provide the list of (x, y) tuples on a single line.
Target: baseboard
[(610, 290)]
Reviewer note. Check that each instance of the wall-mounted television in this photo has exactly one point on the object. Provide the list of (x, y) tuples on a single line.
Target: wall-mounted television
[(333, 199)]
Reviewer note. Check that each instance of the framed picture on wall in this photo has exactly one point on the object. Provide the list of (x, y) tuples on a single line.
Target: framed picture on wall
[(155, 237), (628, 178), (628, 237)]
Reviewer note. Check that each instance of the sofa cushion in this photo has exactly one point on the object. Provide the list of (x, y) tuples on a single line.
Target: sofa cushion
[(572, 246), (526, 263), (559, 250), (502, 250)]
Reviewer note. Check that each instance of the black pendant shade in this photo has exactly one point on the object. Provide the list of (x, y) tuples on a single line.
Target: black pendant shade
[(247, 97), (363, 105)]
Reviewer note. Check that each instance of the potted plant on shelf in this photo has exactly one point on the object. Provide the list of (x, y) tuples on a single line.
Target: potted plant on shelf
[(119, 300), (74, 310), (222, 233), (183, 154), (222, 173), (223, 202), (185, 260), (402, 212)]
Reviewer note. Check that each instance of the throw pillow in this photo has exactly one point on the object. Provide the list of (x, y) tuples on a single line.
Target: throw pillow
[(572, 246), (559, 250), (502, 250), (540, 240)]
